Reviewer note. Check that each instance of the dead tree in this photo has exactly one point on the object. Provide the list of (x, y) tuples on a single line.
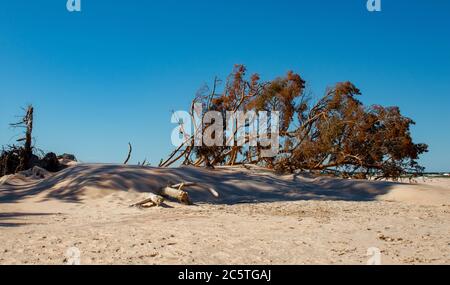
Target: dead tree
[(27, 151), (14, 158)]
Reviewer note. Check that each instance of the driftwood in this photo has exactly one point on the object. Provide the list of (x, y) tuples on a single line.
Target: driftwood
[(183, 184), (130, 149), (178, 194), (153, 200), (213, 192), (173, 192), (190, 184)]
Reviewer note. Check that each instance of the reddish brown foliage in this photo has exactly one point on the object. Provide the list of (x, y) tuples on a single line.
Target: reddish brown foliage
[(337, 134)]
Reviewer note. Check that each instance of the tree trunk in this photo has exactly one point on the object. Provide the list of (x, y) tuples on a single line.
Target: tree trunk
[(180, 195), (27, 148)]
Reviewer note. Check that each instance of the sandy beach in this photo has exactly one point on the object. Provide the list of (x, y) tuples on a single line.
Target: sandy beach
[(258, 218)]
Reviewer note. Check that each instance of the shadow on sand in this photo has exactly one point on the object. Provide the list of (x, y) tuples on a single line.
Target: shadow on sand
[(9, 220), (234, 185)]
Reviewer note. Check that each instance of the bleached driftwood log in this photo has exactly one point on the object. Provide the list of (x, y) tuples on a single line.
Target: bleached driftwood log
[(153, 199), (175, 192), (179, 194)]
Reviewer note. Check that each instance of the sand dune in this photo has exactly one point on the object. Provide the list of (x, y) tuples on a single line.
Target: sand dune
[(234, 184), (258, 218)]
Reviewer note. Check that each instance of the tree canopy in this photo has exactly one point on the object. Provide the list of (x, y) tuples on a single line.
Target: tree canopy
[(336, 134)]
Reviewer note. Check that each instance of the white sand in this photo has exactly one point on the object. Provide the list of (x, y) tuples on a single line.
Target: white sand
[(260, 218)]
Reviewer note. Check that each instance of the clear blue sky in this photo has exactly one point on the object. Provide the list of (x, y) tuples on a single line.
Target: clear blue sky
[(112, 73)]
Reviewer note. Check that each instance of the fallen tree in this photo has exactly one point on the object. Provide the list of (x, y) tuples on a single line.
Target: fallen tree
[(336, 135)]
